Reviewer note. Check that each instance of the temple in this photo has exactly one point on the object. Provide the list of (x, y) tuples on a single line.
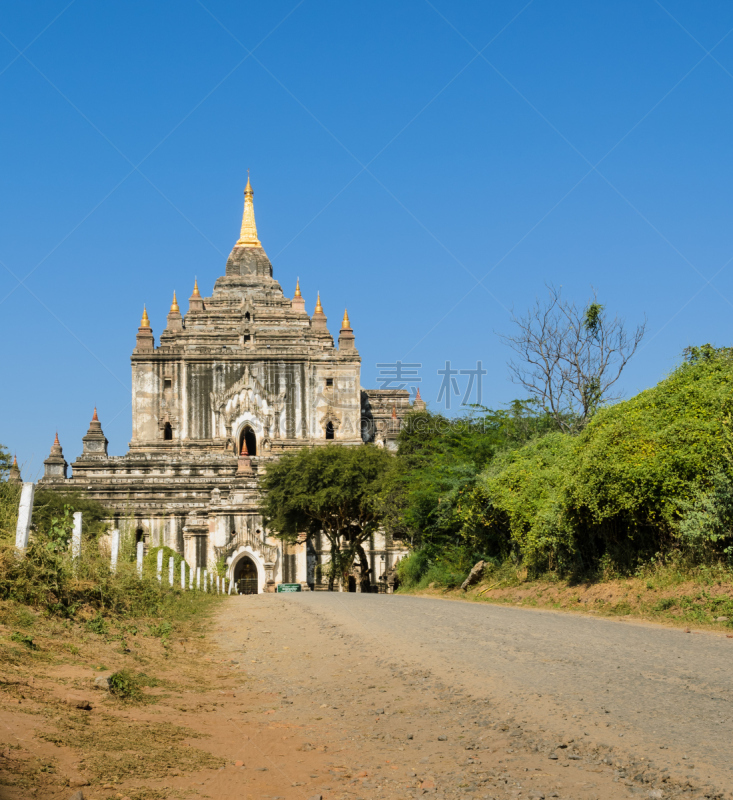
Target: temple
[(244, 376)]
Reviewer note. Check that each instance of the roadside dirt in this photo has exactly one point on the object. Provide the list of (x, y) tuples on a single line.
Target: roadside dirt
[(269, 699), (704, 604), (60, 735)]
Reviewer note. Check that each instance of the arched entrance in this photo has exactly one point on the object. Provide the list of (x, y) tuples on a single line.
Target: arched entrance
[(247, 442), (245, 576)]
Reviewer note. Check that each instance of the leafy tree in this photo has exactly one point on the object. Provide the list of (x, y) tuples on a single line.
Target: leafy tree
[(53, 511), (330, 490), (646, 476), (437, 464), (570, 357), (6, 462), (9, 499)]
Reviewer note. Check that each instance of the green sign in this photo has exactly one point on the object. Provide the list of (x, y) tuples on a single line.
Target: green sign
[(289, 587)]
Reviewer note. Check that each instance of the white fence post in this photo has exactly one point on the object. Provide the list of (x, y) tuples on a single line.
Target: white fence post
[(171, 567), (183, 575), (115, 550), (140, 559), (160, 565), (25, 513), (76, 537)]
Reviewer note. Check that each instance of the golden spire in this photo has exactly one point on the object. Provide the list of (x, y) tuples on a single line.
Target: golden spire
[(95, 418), (297, 288), (319, 307), (346, 324), (248, 234), (196, 292), (56, 440), (145, 322), (15, 460), (174, 305)]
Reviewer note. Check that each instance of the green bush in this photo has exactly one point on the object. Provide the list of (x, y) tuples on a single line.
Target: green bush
[(162, 631), (646, 478), (98, 625), (22, 638), (127, 685), (150, 564)]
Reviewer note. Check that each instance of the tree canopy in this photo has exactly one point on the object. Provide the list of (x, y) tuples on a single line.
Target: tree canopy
[(331, 490)]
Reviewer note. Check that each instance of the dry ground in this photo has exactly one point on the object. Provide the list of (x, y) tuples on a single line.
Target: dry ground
[(272, 697)]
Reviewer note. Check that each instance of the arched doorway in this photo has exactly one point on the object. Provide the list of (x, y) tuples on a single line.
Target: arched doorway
[(168, 432), (245, 576), (247, 442), (329, 430)]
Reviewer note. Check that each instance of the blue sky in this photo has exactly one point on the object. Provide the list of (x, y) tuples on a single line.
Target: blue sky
[(428, 164)]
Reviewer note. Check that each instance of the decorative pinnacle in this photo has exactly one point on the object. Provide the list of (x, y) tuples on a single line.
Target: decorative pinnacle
[(248, 234), (174, 305), (346, 324), (56, 440), (196, 292), (145, 321), (95, 418), (417, 396), (394, 412), (297, 288), (319, 307), (15, 460)]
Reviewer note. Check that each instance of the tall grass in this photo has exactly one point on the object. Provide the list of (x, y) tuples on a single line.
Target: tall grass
[(47, 578)]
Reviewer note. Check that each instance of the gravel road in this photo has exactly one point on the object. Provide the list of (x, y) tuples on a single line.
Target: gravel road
[(641, 688)]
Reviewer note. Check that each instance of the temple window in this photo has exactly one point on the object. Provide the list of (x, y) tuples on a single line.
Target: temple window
[(247, 442), (329, 430), (167, 431)]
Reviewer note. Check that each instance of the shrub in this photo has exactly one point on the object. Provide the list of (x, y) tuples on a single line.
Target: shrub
[(21, 638), (98, 625), (128, 685)]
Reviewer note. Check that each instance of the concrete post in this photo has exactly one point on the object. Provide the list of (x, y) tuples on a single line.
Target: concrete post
[(198, 578), (191, 577), (115, 550), (183, 575), (206, 580), (25, 512), (171, 567), (160, 565), (76, 537), (231, 586), (140, 559)]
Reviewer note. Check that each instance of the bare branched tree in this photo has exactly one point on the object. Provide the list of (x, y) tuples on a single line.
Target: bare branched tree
[(570, 357)]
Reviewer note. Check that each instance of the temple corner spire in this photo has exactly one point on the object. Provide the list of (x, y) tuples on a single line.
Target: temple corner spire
[(346, 334)]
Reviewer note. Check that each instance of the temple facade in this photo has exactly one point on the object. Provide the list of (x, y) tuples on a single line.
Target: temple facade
[(242, 377)]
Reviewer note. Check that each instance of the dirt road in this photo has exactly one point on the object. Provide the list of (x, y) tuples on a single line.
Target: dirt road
[(413, 696), (342, 696)]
